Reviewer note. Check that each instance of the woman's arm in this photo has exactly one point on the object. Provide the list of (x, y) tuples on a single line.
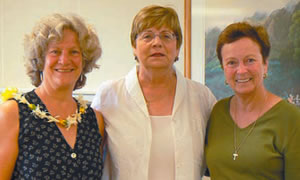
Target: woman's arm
[(290, 131), (106, 156), (9, 132), (100, 122), (292, 153)]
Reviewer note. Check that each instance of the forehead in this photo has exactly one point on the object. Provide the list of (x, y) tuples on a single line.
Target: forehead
[(240, 49), (67, 37), (157, 29), (243, 44)]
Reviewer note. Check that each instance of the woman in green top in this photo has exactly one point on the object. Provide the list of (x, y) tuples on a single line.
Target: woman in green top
[(253, 134)]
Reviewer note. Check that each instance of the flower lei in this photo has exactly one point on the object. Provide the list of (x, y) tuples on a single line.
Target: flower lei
[(73, 119)]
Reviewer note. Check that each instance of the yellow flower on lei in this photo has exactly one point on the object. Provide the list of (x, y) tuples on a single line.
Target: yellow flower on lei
[(8, 93)]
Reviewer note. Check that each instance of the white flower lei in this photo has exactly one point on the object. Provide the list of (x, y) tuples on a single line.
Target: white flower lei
[(73, 119)]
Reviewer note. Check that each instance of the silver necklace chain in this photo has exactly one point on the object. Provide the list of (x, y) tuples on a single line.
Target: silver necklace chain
[(237, 147)]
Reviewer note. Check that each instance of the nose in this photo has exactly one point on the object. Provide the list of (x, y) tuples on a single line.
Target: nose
[(64, 57), (241, 68), (157, 40)]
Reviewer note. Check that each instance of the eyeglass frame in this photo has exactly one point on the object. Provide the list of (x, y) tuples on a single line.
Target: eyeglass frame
[(174, 36)]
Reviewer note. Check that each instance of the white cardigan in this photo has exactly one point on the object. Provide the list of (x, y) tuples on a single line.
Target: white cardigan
[(128, 126)]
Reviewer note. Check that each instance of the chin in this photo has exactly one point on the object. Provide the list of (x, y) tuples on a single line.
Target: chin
[(244, 91), (64, 85)]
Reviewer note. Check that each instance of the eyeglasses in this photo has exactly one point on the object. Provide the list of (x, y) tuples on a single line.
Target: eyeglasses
[(166, 36)]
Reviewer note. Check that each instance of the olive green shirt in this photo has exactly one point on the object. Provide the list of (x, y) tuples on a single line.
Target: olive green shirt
[(271, 151)]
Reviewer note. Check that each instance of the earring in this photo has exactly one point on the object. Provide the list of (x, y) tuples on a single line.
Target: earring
[(265, 75), (176, 59), (41, 76), (225, 82)]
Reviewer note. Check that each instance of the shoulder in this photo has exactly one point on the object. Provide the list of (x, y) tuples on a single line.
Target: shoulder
[(222, 102), (107, 92), (110, 85), (288, 109), (221, 107), (9, 116), (8, 109), (197, 87), (284, 118), (195, 84), (200, 90)]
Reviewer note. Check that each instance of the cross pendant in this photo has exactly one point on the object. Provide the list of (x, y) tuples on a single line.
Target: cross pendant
[(235, 155)]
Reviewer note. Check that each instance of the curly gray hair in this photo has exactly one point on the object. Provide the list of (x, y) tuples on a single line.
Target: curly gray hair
[(51, 28)]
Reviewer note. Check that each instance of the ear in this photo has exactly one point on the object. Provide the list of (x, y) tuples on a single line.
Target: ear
[(134, 54), (134, 51), (177, 52), (266, 65)]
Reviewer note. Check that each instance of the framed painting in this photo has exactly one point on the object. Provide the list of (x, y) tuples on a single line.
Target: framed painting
[(281, 18)]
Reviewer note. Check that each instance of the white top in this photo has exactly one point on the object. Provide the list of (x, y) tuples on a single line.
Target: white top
[(128, 125), (162, 158)]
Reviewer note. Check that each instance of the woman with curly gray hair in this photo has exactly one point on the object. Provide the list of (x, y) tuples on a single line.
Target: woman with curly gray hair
[(46, 133)]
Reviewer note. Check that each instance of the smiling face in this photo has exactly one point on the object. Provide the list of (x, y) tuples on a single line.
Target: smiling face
[(157, 53), (63, 62), (243, 65)]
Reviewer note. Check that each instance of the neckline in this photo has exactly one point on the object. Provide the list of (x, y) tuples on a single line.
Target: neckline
[(41, 103), (251, 124), (134, 89)]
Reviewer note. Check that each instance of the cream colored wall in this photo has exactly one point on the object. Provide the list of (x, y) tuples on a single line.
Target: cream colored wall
[(198, 40), (111, 18)]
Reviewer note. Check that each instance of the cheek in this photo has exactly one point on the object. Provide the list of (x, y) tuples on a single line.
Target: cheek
[(80, 62), (83, 64), (176, 52), (226, 73), (141, 52), (48, 62), (229, 75), (80, 65)]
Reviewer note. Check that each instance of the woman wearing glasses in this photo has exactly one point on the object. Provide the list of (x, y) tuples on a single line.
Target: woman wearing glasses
[(155, 118)]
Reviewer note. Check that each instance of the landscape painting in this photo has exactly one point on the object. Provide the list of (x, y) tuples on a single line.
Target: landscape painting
[(281, 18)]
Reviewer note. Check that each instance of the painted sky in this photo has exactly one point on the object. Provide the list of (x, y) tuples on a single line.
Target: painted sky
[(223, 12)]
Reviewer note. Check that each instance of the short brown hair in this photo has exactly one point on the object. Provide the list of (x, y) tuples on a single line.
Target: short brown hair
[(156, 16), (51, 28), (239, 30)]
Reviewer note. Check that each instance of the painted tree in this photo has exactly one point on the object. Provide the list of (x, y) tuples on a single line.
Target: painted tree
[(294, 36)]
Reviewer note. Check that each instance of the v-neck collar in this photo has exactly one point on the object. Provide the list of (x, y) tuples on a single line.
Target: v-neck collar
[(258, 119), (53, 124), (134, 89)]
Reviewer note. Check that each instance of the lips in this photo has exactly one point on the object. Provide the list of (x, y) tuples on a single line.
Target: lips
[(157, 55), (243, 80), (64, 70)]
